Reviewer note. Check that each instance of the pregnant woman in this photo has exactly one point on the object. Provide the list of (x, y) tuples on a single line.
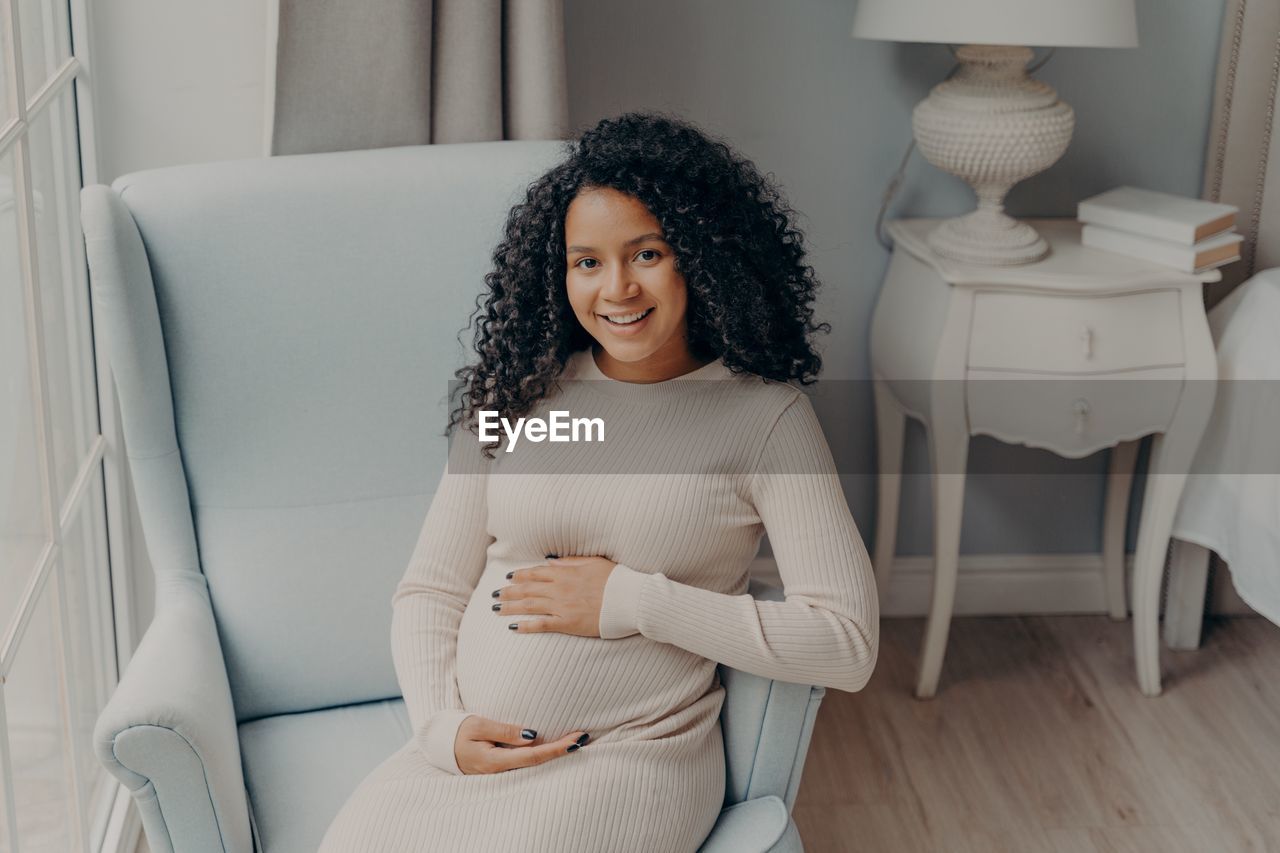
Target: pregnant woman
[(557, 631)]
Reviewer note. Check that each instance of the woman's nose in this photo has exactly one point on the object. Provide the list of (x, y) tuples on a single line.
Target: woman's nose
[(620, 286)]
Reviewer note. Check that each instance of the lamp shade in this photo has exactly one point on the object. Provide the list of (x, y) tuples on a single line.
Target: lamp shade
[(1045, 23)]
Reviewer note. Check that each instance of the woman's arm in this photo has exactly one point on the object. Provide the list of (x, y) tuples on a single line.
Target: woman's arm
[(826, 632), (429, 601)]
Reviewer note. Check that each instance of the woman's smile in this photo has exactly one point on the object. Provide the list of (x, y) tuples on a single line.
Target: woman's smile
[(627, 323)]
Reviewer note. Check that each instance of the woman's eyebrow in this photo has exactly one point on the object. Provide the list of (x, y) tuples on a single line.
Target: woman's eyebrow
[(653, 235)]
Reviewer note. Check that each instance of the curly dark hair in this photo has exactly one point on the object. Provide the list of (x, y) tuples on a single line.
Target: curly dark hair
[(750, 292)]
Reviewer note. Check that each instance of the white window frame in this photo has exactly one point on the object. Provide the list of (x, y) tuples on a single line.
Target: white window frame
[(108, 824)]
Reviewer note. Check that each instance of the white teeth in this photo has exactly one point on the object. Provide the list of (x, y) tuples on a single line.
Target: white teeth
[(626, 319)]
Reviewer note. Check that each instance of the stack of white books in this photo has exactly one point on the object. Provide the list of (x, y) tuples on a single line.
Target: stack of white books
[(1187, 234)]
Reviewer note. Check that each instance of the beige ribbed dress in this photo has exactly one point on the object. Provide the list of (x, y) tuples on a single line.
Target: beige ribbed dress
[(690, 475)]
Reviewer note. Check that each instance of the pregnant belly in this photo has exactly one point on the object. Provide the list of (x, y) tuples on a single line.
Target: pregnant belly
[(557, 683)]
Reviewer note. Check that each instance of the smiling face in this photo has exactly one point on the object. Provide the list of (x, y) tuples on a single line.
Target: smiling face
[(624, 288)]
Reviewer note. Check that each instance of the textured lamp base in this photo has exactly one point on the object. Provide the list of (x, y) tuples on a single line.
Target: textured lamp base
[(993, 126), (988, 236)]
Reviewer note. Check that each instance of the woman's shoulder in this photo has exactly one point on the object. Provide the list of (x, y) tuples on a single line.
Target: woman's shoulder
[(774, 393), (755, 406)]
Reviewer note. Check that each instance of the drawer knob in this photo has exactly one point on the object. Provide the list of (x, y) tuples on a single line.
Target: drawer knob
[(1086, 341), (1081, 408)]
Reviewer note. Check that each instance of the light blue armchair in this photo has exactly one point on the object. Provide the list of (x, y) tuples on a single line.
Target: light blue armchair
[(281, 332)]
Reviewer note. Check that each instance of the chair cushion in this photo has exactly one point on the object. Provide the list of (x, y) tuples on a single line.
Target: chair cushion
[(300, 768)]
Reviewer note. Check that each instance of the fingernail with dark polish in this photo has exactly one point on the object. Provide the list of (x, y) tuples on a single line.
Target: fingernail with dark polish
[(498, 606), (572, 747), (513, 625), (583, 738), (528, 734), (510, 573), (494, 594)]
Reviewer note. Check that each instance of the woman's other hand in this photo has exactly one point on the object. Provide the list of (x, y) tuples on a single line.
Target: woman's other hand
[(486, 746), (563, 596)]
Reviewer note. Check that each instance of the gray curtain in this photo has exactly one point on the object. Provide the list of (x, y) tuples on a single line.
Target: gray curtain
[(377, 73)]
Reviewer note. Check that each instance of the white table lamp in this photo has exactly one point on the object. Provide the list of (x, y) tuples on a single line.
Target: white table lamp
[(992, 124)]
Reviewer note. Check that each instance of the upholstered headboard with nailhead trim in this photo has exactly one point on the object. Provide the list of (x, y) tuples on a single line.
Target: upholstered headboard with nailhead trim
[(1242, 166)]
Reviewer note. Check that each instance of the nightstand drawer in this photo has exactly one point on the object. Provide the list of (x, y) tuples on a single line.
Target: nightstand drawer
[(1069, 334), (1071, 415)]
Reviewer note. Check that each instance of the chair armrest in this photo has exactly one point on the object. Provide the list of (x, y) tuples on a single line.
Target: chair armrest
[(169, 730), (761, 825), (767, 725)]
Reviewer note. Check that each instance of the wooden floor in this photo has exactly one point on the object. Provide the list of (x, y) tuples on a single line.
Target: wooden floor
[(1039, 740)]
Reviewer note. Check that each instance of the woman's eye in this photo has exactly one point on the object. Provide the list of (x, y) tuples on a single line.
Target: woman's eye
[(653, 255), (586, 260)]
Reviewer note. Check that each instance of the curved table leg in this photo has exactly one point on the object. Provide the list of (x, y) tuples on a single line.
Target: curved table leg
[(891, 425), (1119, 487), (1171, 456), (1158, 508), (948, 454)]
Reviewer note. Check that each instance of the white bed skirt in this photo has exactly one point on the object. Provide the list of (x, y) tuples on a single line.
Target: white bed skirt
[(1231, 503)]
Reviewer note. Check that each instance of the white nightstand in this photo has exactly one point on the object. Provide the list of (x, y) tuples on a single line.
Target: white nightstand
[(1081, 351)]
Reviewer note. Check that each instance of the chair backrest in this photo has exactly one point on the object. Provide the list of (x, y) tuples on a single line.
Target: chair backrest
[(305, 312)]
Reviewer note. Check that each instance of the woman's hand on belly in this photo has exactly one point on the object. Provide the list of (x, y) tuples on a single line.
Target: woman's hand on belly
[(562, 596), (486, 746)]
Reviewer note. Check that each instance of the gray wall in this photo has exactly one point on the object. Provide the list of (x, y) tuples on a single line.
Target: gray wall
[(177, 83), (830, 116)]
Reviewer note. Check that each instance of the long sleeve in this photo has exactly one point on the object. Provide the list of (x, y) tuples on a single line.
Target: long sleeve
[(429, 601), (826, 631)]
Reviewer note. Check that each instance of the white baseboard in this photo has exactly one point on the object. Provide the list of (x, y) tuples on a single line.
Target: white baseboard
[(1001, 585), (124, 829)]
